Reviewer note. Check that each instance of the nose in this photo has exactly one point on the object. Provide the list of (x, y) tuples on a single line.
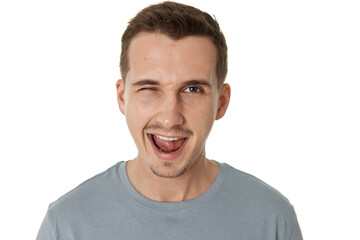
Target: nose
[(170, 112)]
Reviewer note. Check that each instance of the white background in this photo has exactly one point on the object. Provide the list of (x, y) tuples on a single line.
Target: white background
[(293, 119)]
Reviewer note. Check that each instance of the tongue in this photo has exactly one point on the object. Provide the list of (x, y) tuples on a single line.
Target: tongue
[(168, 146)]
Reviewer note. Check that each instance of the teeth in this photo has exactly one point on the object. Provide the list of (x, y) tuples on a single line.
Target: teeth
[(167, 138)]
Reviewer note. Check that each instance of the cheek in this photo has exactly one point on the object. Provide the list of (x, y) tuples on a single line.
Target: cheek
[(140, 105), (202, 117), (202, 107), (137, 114)]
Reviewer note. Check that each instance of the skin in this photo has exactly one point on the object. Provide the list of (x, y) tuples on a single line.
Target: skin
[(171, 90)]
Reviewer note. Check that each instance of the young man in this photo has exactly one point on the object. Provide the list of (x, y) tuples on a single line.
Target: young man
[(173, 67)]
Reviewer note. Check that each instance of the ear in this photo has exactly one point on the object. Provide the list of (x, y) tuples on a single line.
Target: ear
[(224, 100), (120, 92)]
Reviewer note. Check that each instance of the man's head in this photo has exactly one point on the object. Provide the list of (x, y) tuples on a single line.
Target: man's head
[(172, 94), (176, 21)]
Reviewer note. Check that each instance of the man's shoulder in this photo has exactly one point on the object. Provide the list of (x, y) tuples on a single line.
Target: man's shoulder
[(254, 193), (94, 190)]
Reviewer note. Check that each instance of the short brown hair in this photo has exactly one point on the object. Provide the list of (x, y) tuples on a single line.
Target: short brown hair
[(176, 21)]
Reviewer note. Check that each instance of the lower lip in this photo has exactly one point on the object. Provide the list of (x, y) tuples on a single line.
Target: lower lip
[(163, 155)]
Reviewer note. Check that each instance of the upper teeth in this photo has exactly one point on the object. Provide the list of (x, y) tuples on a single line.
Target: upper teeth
[(167, 138)]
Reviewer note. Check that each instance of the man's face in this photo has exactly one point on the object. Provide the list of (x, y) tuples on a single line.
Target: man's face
[(170, 99)]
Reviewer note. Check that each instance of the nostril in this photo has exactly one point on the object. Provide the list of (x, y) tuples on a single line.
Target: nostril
[(170, 118)]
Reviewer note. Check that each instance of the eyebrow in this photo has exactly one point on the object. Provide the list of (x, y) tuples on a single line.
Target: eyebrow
[(197, 82), (187, 83), (145, 82)]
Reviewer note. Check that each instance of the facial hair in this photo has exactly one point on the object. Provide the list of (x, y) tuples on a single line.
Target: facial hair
[(166, 171)]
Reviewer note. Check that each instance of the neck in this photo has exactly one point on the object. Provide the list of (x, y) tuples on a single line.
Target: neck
[(196, 180)]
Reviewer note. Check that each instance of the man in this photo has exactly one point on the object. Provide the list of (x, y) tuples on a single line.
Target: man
[(173, 67)]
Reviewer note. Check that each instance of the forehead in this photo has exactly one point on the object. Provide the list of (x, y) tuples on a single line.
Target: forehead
[(154, 55)]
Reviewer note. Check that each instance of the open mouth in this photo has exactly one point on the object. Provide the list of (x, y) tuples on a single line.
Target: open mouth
[(167, 144)]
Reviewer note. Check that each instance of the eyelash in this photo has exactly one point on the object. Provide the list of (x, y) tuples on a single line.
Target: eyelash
[(147, 88), (198, 89)]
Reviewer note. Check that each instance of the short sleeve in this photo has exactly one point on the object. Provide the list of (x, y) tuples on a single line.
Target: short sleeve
[(47, 229), (296, 231)]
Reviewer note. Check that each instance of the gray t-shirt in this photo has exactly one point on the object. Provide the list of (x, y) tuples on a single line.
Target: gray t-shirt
[(108, 207)]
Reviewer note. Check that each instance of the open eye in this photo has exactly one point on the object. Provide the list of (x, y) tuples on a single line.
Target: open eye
[(193, 90)]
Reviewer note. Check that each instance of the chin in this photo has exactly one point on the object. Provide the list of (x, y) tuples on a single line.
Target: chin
[(166, 169), (169, 169)]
